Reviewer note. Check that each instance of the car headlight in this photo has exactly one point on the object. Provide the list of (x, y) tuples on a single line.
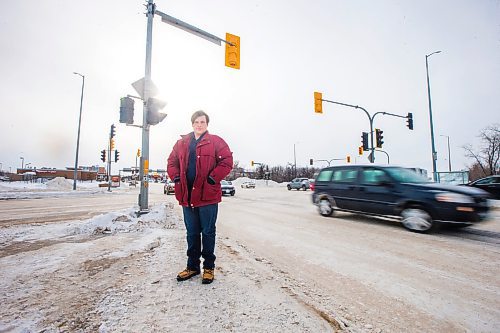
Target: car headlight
[(453, 197)]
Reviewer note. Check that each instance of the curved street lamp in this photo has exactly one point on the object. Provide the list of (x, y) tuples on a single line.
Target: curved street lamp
[(78, 137), (434, 153)]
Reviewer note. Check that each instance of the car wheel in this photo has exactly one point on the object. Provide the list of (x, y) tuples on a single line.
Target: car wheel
[(232, 193), (416, 219), (325, 207), (164, 192), (288, 187), (304, 187)]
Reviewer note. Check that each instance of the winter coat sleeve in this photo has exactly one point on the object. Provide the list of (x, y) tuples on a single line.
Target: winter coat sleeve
[(173, 164), (224, 161)]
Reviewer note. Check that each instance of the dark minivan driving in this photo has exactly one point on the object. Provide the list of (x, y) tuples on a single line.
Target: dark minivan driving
[(399, 192)]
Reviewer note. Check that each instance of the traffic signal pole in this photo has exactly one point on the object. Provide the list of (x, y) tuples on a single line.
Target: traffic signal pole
[(233, 53), (370, 118), (144, 161)]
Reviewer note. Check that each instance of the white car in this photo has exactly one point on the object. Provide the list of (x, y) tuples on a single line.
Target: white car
[(248, 184)]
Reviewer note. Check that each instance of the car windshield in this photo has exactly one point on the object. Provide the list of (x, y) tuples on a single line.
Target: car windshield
[(403, 175), (223, 182)]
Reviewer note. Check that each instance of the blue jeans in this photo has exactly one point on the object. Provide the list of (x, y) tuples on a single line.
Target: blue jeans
[(200, 231)]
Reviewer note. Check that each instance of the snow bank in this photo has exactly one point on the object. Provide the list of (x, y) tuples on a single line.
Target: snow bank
[(160, 216), (258, 182), (56, 187), (59, 183)]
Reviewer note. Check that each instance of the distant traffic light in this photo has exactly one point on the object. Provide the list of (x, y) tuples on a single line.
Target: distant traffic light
[(311, 161), (138, 153), (232, 51), (112, 132), (410, 120), (103, 155), (154, 106), (360, 150), (318, 103), (127, 110), (348, 158), (364, 141), (111, 144), (117, 155), (252, 163), (379, 137)]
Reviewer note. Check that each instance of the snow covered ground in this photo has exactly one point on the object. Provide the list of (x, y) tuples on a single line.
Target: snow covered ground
[(116, 272)]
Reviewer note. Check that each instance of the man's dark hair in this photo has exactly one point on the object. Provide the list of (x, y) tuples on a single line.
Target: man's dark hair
[(197, 114)]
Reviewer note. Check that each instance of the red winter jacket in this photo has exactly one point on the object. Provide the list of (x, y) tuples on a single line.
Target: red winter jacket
[(213, 159)]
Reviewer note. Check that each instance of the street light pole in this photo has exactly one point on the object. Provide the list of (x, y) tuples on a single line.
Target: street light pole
[(78, 137), (22, 162), (294, 161), (434, 153), (449, 153)]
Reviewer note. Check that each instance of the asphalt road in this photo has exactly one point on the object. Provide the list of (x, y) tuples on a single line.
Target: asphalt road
[(446, 281)]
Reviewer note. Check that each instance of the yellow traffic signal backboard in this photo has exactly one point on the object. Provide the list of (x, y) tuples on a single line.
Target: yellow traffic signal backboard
[(318, 103), (233, 51)]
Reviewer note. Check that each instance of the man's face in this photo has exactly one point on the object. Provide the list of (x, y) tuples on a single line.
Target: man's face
[(200, 125)]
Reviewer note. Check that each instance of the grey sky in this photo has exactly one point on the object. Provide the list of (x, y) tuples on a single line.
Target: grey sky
[(366, 53)]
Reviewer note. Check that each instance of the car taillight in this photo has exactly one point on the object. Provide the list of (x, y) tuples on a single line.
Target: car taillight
[(311, 186)]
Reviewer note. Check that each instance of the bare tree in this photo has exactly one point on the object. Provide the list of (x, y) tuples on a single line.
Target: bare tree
[(488, 156)]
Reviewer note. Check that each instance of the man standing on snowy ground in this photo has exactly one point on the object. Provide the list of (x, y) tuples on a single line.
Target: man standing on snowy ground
[(197, 164)]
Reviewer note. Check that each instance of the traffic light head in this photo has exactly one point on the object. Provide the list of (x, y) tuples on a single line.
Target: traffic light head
[(138, 153), (233, 51), (364, 141), (318, 102), (360, 150), (410, 120), (348, 158), (112, 144), (103, 155), (126, 110), (379, 137), (112, 132), (252, 163), (311, 161), (154, 106), (117, 155)]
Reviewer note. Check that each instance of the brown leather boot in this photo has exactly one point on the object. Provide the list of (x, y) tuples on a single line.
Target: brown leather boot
[(208, 276), (187, 274)]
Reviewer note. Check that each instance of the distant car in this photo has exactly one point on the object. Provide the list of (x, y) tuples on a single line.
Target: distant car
[(227, 187), (169, 187), (399, 193), (248, 184), (299, 184), (4, 178), (489, 184)]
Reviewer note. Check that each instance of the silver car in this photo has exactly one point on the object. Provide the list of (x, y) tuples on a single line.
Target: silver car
[(299, 184)]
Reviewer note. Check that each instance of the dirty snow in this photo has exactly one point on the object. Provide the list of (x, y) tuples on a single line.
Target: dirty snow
[(116, 272), (53, 188)]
